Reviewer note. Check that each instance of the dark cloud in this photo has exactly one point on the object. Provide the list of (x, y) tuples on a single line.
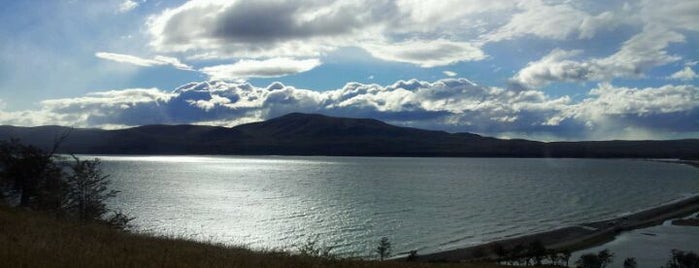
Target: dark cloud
[(271, 21), (302, 29)]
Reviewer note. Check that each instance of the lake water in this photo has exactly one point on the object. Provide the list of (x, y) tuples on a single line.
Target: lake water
[(424, 204)]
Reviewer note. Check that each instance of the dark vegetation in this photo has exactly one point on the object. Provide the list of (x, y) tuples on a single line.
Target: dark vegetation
[(309, 134), (73, 189), (683, 259), (599, 260), (531, 254), (33, 239), (678, 259), (535, 254)]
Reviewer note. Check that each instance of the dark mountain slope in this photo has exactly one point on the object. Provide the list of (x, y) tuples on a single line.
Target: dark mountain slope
[(312, 134)]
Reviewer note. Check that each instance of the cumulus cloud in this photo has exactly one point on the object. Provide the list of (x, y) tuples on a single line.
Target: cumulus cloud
[(686, 74), (640, 53), (156, 61), (610, 100), (264, 68), (445, 104), (556, 66), (127, 6), (449, 104), (613, 110)]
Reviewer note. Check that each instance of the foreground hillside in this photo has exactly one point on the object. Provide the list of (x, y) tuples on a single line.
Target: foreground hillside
[(312, 134), (29, 239)]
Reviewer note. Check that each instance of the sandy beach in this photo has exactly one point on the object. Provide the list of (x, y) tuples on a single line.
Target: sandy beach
[(576, 237)]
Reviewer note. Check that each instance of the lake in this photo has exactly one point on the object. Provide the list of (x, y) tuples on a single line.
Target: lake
[(424, 204)]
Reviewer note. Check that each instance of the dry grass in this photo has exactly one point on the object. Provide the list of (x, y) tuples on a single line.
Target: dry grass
[(29, 239)]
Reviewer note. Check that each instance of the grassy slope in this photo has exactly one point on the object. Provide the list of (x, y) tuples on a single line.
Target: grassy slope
[(29, 239)]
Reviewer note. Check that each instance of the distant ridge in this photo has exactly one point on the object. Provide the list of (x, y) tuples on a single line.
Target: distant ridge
[(315, 134)]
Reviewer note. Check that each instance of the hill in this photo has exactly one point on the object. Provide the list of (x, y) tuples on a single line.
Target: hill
[(313, 134)]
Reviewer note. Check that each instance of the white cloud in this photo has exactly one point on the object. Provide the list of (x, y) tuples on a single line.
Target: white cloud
[(686, 74), (549, 21), (265, 68), (174, 62), (552, 20), (156, 61), (123, 58), (555, 66), (450, 73), (605, 20), (426, 53), (671, 14), (610, 100), (127, 6), (80, 111), (242, 69), (430, 16), (607, 100), (424, 33), (640, 53), (115, 98), (612, 111)]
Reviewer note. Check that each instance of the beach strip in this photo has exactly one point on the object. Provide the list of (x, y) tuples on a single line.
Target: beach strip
[(575, 237)]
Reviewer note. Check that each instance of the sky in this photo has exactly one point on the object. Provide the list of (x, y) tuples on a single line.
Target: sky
[(536, 69)]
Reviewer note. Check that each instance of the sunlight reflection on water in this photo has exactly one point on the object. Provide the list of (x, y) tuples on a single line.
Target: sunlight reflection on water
[(426, 204)]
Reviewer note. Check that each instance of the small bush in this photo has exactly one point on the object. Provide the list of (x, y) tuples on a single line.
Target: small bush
[(630, 263), (412, 256), (311, 248), (384, 248), (599, 260)]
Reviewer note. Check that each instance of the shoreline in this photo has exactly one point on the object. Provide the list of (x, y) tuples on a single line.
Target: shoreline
[(575, 237), (691, 163)]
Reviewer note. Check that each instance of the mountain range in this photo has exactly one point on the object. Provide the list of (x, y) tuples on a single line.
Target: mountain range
[(314, 134)]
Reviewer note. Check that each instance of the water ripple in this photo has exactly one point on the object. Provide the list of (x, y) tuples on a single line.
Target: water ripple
[(350, 202)]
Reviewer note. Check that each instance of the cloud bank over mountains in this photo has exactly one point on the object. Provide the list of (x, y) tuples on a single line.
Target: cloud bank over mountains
[(551, 69), (450, 104)]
